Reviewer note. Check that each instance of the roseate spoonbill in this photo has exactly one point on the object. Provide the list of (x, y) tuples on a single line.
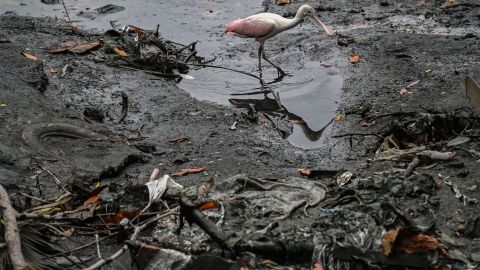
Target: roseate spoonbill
[(263, 26)]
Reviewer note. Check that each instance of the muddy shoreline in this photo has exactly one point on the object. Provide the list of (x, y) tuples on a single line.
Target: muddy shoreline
[(398, 44)]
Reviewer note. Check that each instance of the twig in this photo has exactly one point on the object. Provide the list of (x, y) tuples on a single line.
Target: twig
[(124, 107), (32, 197), (82, 246), (53, 175), (98, 246), (66, 11), (22, 216), (124, 248), (357, 134), (12, 237)]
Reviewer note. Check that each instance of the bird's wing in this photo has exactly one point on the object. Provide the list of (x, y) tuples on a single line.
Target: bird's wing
[(253, 26)]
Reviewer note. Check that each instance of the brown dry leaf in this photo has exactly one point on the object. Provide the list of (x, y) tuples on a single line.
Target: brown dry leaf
[(449, 4), (120, 52), (404, 241), (473, 90), (4, 40), (83, 212), (188, 171), (203, 189), (179, 139), (92, 200), (305, 172), (338, 117), (77, 47), (209, 205), (317, 266), (30, 56), (282, 2), (74, 25), (366, 123), (115, 219), (354, 59), (389, 142)]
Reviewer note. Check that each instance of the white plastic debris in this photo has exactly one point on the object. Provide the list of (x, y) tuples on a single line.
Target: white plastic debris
[(157, 188), (344, 178)]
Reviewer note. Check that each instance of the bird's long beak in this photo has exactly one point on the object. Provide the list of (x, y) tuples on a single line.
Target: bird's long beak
[(326, 28)]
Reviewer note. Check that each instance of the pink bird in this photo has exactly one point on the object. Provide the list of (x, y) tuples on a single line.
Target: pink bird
[(263, 26)]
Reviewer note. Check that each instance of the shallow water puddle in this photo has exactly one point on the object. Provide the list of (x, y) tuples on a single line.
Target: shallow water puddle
[(308, 96)]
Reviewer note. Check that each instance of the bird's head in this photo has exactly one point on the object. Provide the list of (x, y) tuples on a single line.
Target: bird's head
[(308, 11)]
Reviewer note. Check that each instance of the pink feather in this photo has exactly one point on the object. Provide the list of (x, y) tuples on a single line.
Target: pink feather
[(253, 27)]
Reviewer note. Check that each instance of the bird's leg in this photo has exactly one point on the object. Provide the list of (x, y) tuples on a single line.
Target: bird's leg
[(281, 73), (260, 50)]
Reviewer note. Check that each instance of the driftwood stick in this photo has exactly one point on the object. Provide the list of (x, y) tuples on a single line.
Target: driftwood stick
[(12, 236)]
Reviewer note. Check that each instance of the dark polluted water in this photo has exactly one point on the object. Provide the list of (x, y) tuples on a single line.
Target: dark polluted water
[(308, 95)]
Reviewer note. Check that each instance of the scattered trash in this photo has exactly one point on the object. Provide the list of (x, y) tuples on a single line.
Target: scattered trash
[(30, 56), (354, 59), (344, 178), (234, 126), (463, 198), (188, 171), (157, 188)]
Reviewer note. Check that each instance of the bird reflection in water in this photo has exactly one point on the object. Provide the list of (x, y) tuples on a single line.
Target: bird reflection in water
[(271, 106)]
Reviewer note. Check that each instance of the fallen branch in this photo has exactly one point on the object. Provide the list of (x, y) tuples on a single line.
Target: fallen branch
[(12, 237)]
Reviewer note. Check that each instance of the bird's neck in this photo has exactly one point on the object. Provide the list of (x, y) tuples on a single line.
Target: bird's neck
[(295, 21)]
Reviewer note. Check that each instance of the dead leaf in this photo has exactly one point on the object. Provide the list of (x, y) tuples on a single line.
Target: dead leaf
[(473, 90), (74, 25), (405, 92), (404, 241), (354, 59), (4, 40), (449, 4), (188, 171), (53, 70), (298, 122), (83, 212), (338, 117), (120, 52), (77, 47), (458, 140), (366, 123), (203, 189), (390, 142), (282, 2), (303, 171), (179, 139), (30, 56), (413, 83), (115, 219), (209, 205), (317, 266), (92, 200)]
